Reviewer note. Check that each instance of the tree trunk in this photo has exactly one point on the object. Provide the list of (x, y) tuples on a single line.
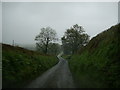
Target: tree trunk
[(46, 46)]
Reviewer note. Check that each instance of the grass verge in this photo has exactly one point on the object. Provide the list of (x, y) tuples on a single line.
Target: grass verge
[(98, 64), (20, 66)]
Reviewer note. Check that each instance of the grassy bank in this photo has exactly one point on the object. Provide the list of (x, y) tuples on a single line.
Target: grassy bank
[(20, 66), (0, 52), (98, 64)]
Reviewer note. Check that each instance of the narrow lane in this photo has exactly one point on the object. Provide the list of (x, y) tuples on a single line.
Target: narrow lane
[(58, 76)]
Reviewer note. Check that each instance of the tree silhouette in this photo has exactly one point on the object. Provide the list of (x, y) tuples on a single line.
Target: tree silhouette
[(43, 39), (74, 39)]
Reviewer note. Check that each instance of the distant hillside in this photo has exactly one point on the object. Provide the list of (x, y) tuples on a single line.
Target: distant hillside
[(20, 65), (98, 63), (28, 46)]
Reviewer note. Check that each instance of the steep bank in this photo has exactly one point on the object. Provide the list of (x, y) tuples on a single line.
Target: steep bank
[(98, 63), (21, 66)]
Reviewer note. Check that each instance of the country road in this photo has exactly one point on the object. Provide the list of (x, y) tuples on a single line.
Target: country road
[(58, 76)]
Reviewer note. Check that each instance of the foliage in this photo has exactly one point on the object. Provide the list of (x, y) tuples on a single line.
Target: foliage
[(98, 64), (20, 66), (74, 39), (54, 49), (43, 39)]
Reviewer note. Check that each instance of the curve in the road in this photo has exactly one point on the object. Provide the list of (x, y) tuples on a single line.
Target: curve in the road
[(58, 76)]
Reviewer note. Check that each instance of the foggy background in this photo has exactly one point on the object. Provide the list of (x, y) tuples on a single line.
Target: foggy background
[(22, 21), (119, 11), (0, 22)]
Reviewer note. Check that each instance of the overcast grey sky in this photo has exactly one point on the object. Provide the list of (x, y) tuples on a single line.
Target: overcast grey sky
[(22, 21), (119, 12), (0, 22)]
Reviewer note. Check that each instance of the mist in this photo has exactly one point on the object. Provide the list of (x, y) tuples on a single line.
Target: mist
[(0, 22), (22, 21), (119, 12)]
